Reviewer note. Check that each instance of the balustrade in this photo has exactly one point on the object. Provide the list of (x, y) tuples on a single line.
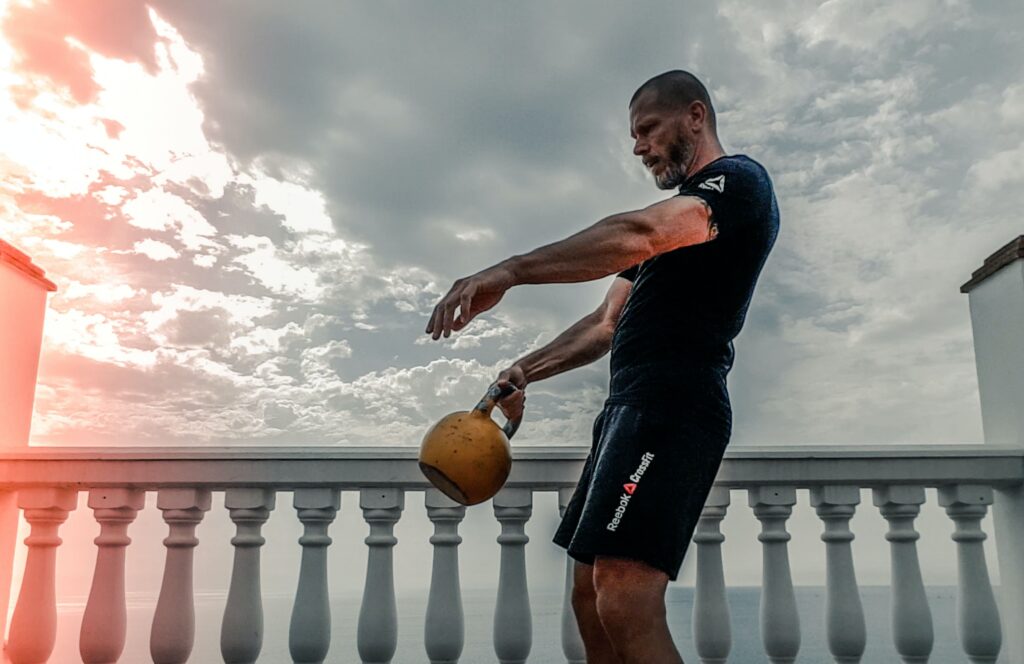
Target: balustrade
[(969, 479)]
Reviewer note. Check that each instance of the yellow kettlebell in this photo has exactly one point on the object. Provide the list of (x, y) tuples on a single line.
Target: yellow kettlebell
[(467, 455)]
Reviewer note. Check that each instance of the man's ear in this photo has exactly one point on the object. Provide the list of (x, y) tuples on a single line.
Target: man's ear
[(696, 114)]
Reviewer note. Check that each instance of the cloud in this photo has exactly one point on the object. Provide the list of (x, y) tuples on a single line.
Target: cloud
[(276, 204), (156, 250)]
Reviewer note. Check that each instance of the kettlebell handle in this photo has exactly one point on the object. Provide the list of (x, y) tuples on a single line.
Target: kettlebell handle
[(491, 398)]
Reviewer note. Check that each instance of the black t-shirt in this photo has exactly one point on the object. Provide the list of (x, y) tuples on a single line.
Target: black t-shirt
[(673, 340)]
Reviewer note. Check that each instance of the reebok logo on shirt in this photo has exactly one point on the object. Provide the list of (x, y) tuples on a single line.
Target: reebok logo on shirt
[(628, 490), (716, 183)]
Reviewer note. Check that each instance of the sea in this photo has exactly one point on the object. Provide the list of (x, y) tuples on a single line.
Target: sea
[(478, 607)]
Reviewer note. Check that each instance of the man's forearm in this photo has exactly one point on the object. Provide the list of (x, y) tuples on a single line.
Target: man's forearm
[(607, 247), (585, 341)]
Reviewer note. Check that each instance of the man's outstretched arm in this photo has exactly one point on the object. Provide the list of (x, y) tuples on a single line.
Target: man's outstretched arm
[(616, 243), (609, 246)]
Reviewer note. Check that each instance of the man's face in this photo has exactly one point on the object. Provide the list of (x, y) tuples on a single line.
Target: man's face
[(660, 142)]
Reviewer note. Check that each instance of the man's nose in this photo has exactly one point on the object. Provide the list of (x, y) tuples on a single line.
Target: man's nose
[(639, 148)]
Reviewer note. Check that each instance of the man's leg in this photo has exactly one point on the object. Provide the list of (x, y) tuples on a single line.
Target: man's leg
[(584, 604), (631, 607)]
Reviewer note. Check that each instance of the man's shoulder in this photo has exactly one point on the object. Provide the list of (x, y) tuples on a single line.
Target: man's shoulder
[(736, 174), (736, 163)]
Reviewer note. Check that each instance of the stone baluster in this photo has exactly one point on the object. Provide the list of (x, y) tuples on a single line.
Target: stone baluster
[(911, 618), (712, 632), (34, 623), (513, 627), (105, 621), (377, 634), (572, 642), (844, 614), (977, 615), (309, 633), (444, 627), (241, 631), (172, 633), (780, 623)]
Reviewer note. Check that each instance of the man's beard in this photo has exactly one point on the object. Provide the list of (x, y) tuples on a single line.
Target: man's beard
[(674, 172)]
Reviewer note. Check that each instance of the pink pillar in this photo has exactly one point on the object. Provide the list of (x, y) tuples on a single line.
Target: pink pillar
[(23, 290)]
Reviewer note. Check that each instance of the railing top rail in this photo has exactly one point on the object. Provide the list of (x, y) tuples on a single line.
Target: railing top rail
[(536, 467), (299, 452)]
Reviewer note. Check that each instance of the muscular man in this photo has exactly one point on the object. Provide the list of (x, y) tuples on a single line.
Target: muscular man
[(686, 269)]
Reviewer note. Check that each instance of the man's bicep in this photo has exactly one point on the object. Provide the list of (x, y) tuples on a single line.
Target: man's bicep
[(680, 221)]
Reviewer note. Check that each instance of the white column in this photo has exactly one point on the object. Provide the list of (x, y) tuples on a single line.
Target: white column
[(712, 630), (844, 614), (34, 623), (172, 634), (572, 642), (309, 633), (977, 614), (996, 297), (444, 626), (105, 621), (780, 623), (911, 618), (377, 634), (23, 290), (241, 629), (513, 627)]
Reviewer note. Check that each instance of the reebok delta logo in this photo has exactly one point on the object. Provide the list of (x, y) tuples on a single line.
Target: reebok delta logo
[(628, 489), (716, 183)]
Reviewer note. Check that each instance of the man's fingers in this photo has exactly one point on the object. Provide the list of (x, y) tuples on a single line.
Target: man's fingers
[(443, 320), (464, 304), (430, 322), (513, 405), (449, 315), (440, 321), (435, 321)]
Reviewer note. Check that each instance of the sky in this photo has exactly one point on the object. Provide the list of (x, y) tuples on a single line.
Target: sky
[(250, 214), (250, 210)]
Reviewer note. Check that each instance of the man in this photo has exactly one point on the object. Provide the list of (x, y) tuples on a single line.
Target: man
[(686, 270)]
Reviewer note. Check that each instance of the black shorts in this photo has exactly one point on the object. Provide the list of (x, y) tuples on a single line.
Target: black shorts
[(643, 486)]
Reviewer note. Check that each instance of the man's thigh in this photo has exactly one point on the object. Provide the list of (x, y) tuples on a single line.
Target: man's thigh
[(615, 573), (611, 573)]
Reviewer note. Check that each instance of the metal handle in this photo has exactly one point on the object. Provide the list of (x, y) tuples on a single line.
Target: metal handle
[(491, 398)]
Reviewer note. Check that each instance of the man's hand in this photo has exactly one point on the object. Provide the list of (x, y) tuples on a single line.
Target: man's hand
[(512, 405), (472, 295)]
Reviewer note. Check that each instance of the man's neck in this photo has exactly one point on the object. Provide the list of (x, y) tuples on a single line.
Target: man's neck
[(704, 155)]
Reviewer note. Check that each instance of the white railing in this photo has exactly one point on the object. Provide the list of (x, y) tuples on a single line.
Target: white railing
[(47, 483)]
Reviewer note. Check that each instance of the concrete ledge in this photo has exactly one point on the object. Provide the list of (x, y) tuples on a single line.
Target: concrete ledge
[(20, 261), (1008, 253)]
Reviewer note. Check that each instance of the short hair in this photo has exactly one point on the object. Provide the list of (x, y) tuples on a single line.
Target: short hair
[(677, 89)]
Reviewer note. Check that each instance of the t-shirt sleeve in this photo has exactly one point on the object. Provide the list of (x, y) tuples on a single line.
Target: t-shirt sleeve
[(735, 196), (630, 272)]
